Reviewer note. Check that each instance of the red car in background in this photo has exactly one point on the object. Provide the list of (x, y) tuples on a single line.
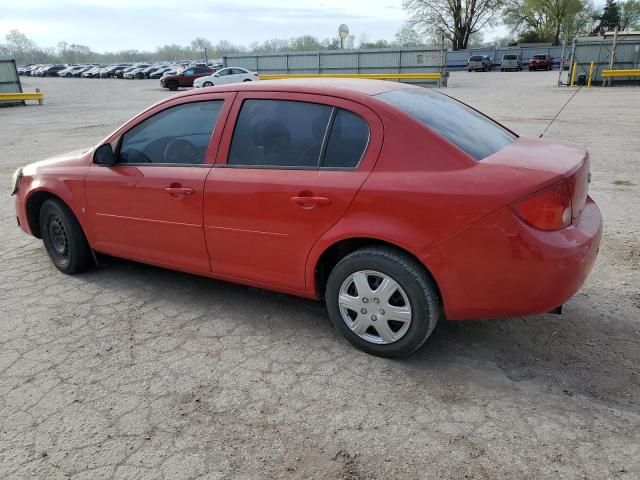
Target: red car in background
[(541, 62), (394, 204), (185, 78)]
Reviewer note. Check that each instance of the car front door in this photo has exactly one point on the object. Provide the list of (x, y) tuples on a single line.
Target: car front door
[(288, 167), (148, 205)]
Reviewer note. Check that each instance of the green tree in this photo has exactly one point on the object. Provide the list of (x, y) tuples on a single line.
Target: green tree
[(548, 20), (610, 17), (630, 15)]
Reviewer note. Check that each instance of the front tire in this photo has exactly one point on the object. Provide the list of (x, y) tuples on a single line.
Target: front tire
[(63, 238), (382, 301), (173, 86), (207, 84)]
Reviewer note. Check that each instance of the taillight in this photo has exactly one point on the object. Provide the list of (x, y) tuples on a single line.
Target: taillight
[(548, 209)]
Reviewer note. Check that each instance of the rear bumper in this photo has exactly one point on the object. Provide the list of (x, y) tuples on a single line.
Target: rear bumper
[(502, 267)]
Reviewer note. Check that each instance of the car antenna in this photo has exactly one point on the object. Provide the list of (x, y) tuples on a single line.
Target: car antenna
[(560, 111)]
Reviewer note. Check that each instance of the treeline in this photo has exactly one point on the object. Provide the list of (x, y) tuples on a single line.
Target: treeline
[(17, 45)]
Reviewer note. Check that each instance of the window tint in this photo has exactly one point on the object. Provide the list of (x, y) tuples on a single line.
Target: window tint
[(279, 133), (464, 127), (178, 134), (347, 142)]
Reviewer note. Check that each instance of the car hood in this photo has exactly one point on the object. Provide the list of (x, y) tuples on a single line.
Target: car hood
[(69, 159)]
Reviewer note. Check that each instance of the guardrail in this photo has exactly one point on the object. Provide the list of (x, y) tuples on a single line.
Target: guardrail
[(620, 73), (17, 97), (373, 76)]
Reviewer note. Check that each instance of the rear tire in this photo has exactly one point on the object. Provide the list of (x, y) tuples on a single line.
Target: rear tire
[(63, 238), (382, 301)]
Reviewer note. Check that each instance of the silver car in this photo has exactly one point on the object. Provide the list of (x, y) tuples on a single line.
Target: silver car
[(480, 62), (511, 61)]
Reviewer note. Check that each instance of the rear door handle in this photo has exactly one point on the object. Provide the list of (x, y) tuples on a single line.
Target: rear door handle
[(179, 191), (309, 202)]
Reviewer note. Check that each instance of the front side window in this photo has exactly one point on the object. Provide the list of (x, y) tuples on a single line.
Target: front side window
[(469, 130), (177, 135), (279, 133)]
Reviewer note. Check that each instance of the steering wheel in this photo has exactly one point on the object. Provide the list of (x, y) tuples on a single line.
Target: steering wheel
[(180, 151)]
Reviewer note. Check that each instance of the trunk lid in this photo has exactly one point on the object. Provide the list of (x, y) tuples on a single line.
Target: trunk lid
[(536, 164)]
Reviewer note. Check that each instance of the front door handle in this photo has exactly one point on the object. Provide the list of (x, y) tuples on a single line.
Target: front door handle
[(310, 202), (179, 191)]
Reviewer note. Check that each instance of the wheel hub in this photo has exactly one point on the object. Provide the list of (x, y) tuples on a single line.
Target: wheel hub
[(391, 317), (58, 236)]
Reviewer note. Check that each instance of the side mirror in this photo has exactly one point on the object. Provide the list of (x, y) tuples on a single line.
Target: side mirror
[(104, 155)]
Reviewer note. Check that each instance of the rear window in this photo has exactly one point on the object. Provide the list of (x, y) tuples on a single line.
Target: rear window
[(510, 57), (469, 130), (540, 57), (476, 58)]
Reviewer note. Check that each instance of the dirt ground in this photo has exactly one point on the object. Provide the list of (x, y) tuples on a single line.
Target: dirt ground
[(134, 372)]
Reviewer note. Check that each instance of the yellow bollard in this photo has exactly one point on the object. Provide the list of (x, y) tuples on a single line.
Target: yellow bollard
[(593, 64), (573, 73)]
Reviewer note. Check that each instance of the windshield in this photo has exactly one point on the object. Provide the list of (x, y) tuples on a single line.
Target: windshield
[(510, 57), (472, 132), (475, 58)]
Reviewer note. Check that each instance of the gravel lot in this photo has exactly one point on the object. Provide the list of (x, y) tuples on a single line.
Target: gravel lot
[(130, 371)]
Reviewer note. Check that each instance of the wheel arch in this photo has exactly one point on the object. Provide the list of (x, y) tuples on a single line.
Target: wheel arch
[(34, 204), (339, 249)]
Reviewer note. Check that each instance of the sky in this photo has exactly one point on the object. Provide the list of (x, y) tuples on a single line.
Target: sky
[(111, 25)]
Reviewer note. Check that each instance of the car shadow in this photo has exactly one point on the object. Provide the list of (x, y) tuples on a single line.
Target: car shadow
[(581, 352)]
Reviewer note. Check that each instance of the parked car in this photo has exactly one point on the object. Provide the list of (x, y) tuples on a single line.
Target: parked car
[(185, 78), (73, 71), (396, 205), (161, 71), (121, 73), (511, 61), (93, 72), (112, 70), (480, 62), (226, 75), (541, 62), (137, 72), (50, 70)]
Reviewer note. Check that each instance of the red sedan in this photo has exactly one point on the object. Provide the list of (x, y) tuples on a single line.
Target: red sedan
[(396, 205)]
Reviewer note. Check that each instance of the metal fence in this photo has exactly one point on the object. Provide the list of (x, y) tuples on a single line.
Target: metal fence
[(458, 60), (9, 81), (361, 61), (599, 50)]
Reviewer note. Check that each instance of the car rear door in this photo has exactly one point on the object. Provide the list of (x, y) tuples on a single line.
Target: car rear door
[(148, 206), (288, 167)]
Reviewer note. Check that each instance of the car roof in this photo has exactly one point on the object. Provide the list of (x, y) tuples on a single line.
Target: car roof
[(339, 87)]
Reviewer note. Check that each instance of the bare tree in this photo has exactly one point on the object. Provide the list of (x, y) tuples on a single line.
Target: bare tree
[(457, 19)]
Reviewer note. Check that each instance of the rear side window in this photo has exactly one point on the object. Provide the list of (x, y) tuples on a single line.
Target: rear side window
[(279, 133), (347, 142), (177, 135), (469, 130)]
